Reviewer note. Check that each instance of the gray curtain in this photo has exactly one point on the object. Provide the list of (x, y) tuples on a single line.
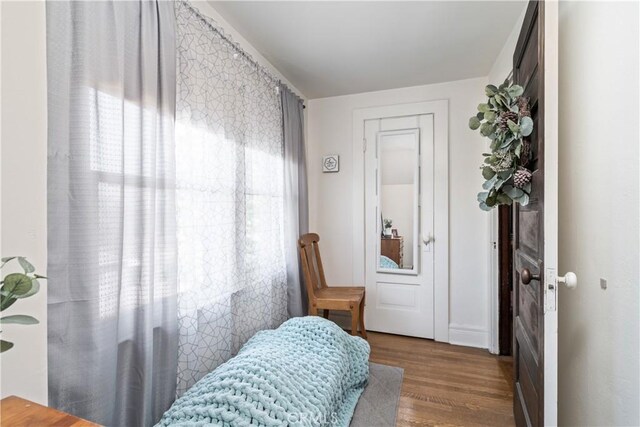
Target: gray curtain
[(113, 335), (296, 210)]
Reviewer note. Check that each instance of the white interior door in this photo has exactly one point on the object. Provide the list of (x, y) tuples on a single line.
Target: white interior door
[(399, 261)]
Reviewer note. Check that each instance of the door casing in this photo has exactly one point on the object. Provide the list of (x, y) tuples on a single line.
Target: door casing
[(440, 233)]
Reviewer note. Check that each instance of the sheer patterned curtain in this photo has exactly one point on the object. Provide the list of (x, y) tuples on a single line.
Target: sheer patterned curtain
[(229, 162), (112, 289)]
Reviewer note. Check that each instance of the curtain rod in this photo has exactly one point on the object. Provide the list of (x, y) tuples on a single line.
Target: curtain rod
[(214, 26)]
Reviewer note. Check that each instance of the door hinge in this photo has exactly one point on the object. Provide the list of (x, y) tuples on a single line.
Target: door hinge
[(550, 290)]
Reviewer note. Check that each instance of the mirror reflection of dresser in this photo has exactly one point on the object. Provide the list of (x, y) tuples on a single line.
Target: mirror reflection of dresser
[(393, 248)]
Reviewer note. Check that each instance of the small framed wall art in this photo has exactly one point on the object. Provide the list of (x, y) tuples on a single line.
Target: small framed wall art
[(331, 163)]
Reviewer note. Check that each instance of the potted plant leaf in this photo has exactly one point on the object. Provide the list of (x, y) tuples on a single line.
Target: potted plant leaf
[(16, 286)]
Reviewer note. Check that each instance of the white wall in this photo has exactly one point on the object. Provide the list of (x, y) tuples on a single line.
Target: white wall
[(24, 189), (503, 64), (329, 124), (599, 214)]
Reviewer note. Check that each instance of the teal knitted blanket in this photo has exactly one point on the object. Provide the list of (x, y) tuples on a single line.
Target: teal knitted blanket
[(308, 372)]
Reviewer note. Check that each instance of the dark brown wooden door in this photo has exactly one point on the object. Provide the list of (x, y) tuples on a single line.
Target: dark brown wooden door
[(528, 237)]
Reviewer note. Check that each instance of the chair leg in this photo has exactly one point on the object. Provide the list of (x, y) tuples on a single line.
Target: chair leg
[(313, 311), (325, 313), (355, 311), (363, 331)]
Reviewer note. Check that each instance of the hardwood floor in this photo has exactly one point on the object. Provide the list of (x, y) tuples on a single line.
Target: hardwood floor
[(447, 385)]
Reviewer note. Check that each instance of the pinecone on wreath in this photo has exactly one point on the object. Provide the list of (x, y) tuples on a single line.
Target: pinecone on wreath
[(505, 116), (521, 178)]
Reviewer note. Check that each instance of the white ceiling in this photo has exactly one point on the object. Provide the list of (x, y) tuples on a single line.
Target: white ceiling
[(329, 48)]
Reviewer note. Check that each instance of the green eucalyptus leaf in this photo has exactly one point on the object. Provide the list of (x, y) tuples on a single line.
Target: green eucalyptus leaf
[(488, 173), (19, 319), (488, 184), (482, 196), (7, 258), (492, 199), (6, 302), (480, 115), (492, 159), (524, 199), (513, 127), (527, 188), (483, 108), (484, 206), (487, 129), (26, 265), (5, 345), (474, 123), (506, 174), (490, 116), (490, 90), (503, 199), (35, 287), (526, 126), (17, 284), (515, 91), (513, 192)]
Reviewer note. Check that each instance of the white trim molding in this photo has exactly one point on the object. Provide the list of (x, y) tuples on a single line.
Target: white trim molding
[(440, 110), (469, 336)]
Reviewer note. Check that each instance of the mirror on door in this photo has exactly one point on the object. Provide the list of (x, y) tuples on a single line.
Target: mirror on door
[(398, 192)]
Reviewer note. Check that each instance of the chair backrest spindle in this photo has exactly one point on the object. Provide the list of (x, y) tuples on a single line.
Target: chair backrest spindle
[(311, 263)]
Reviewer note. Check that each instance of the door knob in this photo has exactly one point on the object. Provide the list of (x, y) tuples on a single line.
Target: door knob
[(427, 239), (527, 277), (570, 280)]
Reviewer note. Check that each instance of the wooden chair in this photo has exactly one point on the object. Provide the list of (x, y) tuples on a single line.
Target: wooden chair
[(323, 297)]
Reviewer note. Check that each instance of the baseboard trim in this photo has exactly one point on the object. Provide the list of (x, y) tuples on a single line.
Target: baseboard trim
[(468, 336)]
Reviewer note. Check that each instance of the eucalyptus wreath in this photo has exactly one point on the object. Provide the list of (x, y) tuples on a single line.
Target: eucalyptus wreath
[(506, 120)]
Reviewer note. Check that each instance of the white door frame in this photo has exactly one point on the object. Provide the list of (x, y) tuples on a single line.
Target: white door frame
[(551, 140), (440, 111)]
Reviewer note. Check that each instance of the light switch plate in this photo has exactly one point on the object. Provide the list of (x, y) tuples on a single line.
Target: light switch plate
[(603, 283)]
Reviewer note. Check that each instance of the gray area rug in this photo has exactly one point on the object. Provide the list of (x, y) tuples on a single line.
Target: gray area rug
[(378, 404)]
